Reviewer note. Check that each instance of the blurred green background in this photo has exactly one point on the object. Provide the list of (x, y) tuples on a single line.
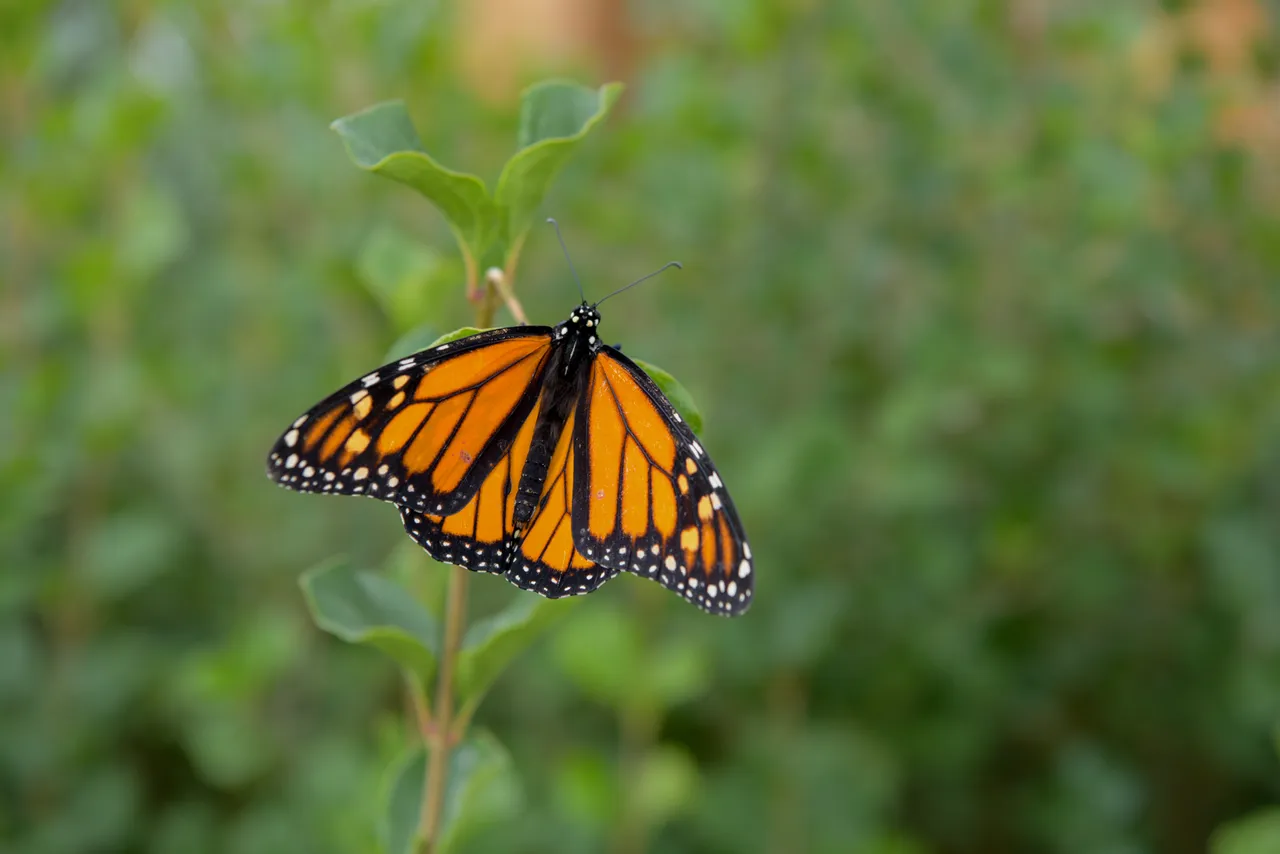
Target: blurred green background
[(980, 302)]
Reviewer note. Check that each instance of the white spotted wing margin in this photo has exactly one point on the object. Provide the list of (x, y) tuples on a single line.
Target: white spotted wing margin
[(339, 445), (704, 556)]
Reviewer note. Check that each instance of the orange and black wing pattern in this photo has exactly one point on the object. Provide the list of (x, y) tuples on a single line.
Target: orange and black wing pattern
[(534, 453), (647, 498), (425, 432), (483, 535)]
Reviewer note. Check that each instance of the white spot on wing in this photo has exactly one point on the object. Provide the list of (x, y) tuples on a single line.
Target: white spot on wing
[(291, 462), (744, 569), (291, 438)]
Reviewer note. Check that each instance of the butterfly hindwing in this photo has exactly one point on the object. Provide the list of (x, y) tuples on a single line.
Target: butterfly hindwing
[(482, 536), (649, 499), (424, 431), (548, 559)]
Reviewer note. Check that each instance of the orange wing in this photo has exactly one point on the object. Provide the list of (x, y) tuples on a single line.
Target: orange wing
[(423, 432), (482, 535), (649, 499)]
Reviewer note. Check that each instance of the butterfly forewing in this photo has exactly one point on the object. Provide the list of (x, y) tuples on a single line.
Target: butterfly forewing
[(649, 499), (424, 431)]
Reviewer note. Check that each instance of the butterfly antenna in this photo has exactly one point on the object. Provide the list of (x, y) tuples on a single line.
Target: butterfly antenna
[(675, 264), (560, 237)]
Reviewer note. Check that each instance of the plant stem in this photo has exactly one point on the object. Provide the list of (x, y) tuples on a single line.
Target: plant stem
[(639, 723), (439, 739), (440, 742), (420, 705), (497, 280)]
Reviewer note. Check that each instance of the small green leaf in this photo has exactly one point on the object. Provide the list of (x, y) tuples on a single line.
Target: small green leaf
[(382, 139), (676, 393), (482, 789), (464, 332), (490, 644), (361, 607), (559, 109), (555, 116), (1256, 833), (402, 817)]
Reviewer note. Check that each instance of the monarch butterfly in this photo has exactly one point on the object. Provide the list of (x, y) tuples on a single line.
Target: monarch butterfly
[(537, 453)]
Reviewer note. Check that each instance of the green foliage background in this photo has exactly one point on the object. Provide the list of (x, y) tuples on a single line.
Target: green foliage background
[(985, 334)]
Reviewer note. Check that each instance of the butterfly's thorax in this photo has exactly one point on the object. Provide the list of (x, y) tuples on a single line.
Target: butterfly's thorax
[(575, 340)]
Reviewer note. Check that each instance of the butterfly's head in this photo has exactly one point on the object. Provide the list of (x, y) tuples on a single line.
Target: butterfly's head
[(585, 317)]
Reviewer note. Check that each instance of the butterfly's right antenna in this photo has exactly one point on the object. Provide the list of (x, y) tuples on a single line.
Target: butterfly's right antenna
[(675, 264), (556, 226)]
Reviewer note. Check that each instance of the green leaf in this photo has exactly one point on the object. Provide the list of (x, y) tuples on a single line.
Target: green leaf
[(490, 644), (555, 116), (464, 332), (398, 828), (362, 607), (482, 789), (382, 139), (1256, 833), (676, 393)]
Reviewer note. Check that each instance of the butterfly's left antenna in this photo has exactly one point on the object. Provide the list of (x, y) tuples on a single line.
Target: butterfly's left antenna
[(560, 236)]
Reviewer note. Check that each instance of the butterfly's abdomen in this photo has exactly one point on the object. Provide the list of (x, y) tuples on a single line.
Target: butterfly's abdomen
[(531, 481), (546, 433)]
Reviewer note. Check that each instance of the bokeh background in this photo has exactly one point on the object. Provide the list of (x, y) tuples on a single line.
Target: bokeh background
[(981, 303)]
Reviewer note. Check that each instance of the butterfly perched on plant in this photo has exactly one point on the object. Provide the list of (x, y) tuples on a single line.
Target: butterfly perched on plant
[(536, 453)]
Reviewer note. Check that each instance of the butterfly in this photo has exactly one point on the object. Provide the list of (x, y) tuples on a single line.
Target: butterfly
[(536, 453)]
